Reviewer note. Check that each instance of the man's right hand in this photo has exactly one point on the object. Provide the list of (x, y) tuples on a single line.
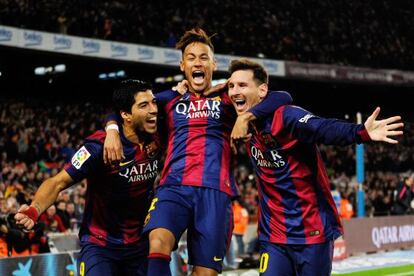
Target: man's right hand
[(113, 151), (26, 216), (216, 88)]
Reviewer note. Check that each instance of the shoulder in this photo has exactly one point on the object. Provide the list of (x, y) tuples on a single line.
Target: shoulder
[(167, 95), (97, 137)]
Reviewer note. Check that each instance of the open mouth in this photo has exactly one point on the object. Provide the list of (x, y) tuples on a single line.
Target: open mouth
[(240, 104), (198, 76), (151, 121)]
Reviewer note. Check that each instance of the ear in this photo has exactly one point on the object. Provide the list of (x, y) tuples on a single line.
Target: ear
[(126, 116), (263, 88), (214, 64), (181, 65)]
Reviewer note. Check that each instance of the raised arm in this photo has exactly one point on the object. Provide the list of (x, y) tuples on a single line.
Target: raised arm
[(309, 128), (45, 196)]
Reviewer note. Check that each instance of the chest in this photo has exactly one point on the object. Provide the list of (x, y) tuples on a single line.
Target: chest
[(199, 112)]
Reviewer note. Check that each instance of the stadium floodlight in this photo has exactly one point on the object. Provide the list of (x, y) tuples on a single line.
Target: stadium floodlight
[(112, 75), (103, 76), (219, 81), (160, 80), (60, 68), (179, 77), (120, 74), (40, 71), (0, 73)]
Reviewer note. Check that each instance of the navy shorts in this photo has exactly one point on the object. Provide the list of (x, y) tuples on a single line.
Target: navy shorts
[(290, 260), (96, 260), (205, 213)]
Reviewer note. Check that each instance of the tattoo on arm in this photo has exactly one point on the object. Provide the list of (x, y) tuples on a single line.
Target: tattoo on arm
[(37, 206)]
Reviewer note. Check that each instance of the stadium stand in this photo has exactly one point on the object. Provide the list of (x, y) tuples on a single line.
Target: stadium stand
[(370, 33)]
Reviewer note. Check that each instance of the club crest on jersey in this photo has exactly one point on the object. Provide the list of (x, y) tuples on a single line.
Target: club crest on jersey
[(80, 157), (151, 149), (269, 140)]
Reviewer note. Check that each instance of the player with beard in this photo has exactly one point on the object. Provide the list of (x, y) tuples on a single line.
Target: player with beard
[(118, 196)]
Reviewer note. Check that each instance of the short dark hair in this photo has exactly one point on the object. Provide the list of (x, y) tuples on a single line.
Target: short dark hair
[(259, 73), (194, 35), (124, 96)]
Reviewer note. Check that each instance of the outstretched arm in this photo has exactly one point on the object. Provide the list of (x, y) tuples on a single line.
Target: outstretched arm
[(45, 196), (309, 128)]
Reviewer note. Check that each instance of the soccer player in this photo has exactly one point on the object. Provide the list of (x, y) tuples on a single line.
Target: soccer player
[(298, 219), (196, 184), (118, 196)]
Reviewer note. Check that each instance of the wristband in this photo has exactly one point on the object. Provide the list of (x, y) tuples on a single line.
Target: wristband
[(112, 126), (31, 213)]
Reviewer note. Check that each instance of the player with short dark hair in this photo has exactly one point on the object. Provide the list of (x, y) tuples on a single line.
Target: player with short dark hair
[(298, 219), (118, 196)]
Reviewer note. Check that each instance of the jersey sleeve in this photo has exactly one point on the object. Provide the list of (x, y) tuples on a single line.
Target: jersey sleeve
[(308, 128), (113, 117), (87, 159), (164, 97), (271, 103)]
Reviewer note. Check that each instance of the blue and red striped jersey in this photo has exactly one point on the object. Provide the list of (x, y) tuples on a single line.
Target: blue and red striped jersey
[(118, 196), (296, 205), (198, 149)]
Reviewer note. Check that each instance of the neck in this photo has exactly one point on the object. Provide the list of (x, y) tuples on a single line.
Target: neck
[(191, 89), (132, 135)]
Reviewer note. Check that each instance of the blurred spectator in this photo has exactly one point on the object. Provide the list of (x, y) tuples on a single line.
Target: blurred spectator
[(52, 220), (337, 197), (241, 221), (63, 215), (371, 33), (403, 196), (346, 209)]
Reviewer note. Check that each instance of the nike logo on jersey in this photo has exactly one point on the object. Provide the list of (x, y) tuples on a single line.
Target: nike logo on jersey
[(121, 164), (216, 259)]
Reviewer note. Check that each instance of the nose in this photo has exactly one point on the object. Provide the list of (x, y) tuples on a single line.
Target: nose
[(197, 62), (233, 91), (153, 108)]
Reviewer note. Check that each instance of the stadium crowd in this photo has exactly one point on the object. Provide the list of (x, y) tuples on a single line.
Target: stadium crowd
[(36, 139), (368, 33)]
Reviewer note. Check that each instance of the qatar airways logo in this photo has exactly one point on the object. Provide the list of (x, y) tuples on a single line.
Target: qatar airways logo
[(199, 109), (141, 172), (274, 159)]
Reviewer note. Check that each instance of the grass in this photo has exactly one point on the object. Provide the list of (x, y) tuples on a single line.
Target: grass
[(405, 270)]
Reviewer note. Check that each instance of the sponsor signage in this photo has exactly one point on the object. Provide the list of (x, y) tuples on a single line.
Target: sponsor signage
[(347, 74), (379, 233), (22, 38)]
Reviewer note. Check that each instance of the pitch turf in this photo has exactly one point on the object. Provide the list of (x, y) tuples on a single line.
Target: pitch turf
[(388, 271)]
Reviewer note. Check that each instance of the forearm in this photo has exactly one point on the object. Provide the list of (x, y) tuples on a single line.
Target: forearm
[(46, 195), (270, 104), (48, 192)]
